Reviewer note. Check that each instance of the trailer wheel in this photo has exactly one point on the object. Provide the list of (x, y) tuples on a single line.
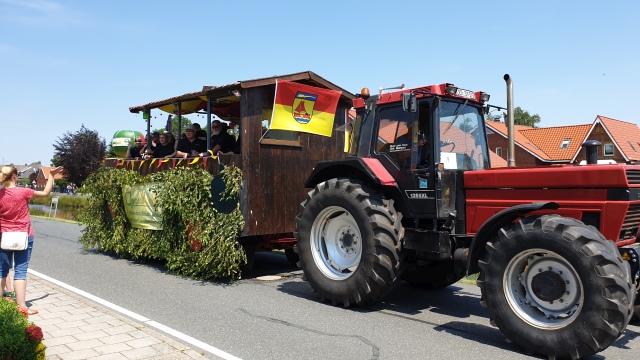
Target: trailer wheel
[(249, 249), (555, 287), (292, 256), (348, 242), (434, 275)]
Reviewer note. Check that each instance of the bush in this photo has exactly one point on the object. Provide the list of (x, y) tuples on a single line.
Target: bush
[(183, 197), (19, 338)]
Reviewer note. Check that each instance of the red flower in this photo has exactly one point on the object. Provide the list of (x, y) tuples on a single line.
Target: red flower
[(24, 310), (34, 332)]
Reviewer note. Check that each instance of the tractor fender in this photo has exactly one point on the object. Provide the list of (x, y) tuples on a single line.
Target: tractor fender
[(495, 223), (366, 169)]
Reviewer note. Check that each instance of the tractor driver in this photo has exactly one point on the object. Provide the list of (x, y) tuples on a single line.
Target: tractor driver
[(403, 144)]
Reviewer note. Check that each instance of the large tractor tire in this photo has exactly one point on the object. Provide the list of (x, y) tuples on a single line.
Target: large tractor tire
[(349, 242), (635, 318), (432, 276), (555, 287)]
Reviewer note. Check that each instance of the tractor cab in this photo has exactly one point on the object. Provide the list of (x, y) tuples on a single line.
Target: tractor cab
[(425, 138)]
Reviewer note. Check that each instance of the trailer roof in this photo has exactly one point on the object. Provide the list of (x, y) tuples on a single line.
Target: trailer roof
[(225, 102)]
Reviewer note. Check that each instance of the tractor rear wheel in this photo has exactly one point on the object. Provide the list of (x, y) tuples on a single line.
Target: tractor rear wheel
[(555, 287), (636, 308), (348, 242), (434, 275)]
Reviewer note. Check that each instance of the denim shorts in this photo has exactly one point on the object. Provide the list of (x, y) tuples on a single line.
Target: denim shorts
[(20, 259)]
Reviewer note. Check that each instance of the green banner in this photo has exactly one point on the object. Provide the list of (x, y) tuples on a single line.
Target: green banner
[(139, 204)]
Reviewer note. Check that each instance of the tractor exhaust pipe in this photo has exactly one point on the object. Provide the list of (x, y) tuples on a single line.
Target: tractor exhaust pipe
[(511, 158)]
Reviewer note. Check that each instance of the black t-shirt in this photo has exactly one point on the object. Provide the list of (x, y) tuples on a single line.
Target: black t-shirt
[(187, 146), (134, 152), (163, 150), (226, 141)]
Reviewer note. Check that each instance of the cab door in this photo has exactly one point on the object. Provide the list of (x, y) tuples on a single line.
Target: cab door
[(403, 147)]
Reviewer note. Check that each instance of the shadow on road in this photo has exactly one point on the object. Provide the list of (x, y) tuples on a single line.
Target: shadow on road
[(266, 263), (630, 334), (452, 301)]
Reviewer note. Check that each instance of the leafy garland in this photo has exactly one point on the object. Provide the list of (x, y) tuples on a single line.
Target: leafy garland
[(196, 240)]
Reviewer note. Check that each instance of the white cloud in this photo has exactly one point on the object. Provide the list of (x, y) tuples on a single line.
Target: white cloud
[(39, 13)]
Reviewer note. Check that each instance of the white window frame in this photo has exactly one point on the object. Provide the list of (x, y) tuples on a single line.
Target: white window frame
[(565, 144), (499, 151), (604, 149)]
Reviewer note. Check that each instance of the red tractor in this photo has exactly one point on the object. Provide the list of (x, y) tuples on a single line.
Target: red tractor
[(556, 248)]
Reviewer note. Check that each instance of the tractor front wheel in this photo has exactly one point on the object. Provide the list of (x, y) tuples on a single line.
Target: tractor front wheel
[(348, 242), (555, 287)]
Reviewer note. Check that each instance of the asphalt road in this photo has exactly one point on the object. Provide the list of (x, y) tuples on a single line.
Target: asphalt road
[(283, 319)]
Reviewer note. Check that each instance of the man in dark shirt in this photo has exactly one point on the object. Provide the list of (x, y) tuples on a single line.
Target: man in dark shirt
[(221, 140), (190, 146), (164, 148), (200, 134)]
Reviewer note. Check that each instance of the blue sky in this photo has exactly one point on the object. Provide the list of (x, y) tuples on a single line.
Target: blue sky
[(66, 63)]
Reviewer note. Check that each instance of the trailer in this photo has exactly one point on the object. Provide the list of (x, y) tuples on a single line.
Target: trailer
[(274, 163)]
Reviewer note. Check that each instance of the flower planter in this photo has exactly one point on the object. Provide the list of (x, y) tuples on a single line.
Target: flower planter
[(20, 339)]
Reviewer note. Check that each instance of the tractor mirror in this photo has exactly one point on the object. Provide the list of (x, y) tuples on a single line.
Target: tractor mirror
[(409, 102)]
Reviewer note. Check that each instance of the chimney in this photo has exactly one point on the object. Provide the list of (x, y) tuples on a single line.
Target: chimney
[(591, 147)]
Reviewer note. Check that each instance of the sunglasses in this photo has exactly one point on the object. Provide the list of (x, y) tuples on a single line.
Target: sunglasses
[(138, 141)]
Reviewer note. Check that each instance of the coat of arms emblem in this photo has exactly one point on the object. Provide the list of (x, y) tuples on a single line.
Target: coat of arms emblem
[(303, 105)]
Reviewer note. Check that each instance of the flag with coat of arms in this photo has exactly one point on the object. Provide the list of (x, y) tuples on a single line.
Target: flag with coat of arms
[(304, 108)]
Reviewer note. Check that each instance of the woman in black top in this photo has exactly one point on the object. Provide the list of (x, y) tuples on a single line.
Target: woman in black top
[(134, 151)]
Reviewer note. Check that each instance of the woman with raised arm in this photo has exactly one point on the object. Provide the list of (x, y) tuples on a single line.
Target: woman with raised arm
[(14, 216)]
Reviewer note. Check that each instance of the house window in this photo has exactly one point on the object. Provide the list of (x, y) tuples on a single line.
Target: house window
[(608, 149), (499, 151), (565, 144)]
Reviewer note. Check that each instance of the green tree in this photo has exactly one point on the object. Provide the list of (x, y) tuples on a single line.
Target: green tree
[(80, 153), (55, 161), (111, 153), (174, 125), (522, 117), (492, 117)]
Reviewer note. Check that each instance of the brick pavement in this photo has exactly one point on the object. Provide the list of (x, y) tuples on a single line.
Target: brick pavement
[(77, 328)]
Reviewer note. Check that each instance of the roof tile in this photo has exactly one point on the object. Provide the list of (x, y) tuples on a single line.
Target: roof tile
[(550, 140)]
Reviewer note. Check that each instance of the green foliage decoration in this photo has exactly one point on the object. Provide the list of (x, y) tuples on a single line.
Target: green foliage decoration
[(183, 197)]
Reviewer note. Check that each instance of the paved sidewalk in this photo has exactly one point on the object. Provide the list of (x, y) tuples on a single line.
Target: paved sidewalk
[(77, 328)]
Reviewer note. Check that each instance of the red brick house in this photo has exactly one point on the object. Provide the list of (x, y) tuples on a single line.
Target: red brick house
[(43, 175), (563, 144)]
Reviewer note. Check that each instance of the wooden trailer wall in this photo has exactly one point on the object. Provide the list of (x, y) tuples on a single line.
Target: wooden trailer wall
[(275, 174)]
